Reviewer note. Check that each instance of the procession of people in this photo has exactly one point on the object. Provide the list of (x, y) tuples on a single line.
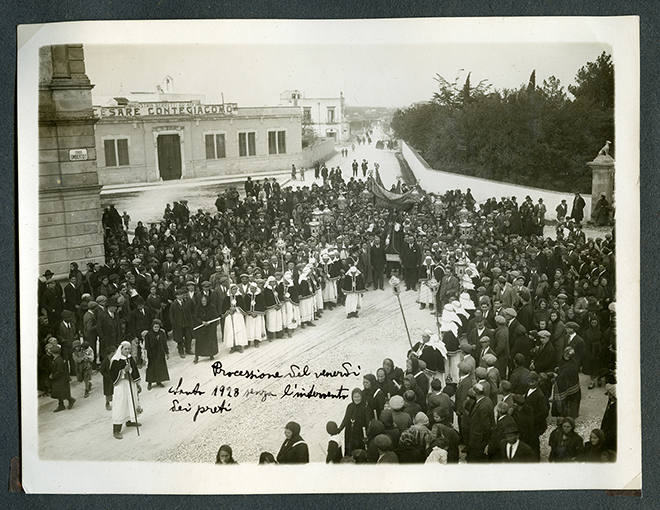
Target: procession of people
[(514, 317)]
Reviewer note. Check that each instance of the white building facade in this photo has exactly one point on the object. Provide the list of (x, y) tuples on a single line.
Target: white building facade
[(326, 115)]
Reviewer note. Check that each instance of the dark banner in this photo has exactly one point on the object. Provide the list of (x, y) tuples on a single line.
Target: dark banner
[(402, 201)]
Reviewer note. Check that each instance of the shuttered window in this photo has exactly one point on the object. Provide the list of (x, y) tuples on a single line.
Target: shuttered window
[(277, 142), (215, 146), (116, 152), (247, 144)]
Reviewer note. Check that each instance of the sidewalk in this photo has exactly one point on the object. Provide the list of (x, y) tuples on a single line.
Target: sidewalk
[(111, 189)]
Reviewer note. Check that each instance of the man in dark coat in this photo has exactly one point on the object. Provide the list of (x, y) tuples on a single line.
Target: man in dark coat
[(576, 342), (410, 259), (519, 377), (512, 449), (181, 320), (518, 338), (538, 403), (53, 304), (378, 260), (577, 212), (107, 325), (67, 335), (60, 387), (481, 424), (449, 288), (139, 321), (501, 345)]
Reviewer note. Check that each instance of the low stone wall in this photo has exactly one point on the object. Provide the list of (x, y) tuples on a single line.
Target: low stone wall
[(437, 181), (320, 151)]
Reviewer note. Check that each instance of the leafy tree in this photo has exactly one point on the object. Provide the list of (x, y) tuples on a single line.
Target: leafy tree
[(535, 135), (595, 82)]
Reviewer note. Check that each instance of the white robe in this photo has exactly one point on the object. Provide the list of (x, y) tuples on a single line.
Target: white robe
[(235, 332)]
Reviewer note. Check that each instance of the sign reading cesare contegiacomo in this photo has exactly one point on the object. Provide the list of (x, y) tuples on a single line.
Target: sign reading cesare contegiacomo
[(165, 108)]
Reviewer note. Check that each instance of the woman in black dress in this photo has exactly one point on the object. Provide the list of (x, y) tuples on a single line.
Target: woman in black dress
[(357, 417), (206, 337), (294, 450), (566, 392), (565, 444), (158, 353), (375, 397)]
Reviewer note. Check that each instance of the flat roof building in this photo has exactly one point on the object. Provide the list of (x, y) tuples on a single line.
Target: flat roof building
[(148, 137), (327, 115)]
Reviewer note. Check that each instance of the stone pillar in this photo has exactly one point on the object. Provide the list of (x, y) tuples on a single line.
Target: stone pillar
[(69, 191), (602, 182)]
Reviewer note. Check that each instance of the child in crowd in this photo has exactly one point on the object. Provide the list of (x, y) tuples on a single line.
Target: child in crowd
[(83, 357), (335, 444)]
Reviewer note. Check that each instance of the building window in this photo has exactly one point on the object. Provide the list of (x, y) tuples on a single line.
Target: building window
[(331, 114), (215, 146), (247, 144), (277, 142), (307, 114), (116, 152)]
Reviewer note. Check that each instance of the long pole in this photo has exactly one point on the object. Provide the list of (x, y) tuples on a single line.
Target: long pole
[(404, 320), (130, 387)]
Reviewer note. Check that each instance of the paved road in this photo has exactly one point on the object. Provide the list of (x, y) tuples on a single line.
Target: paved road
[(255, 422)]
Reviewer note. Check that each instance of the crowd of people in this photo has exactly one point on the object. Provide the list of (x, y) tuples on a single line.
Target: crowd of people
[(519, 316)]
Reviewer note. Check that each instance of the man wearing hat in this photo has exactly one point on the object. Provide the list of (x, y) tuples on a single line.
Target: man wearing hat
[(500, 345), (512, 449), (576, 342), (509, 295), (53, 304), (518, 338), (60, 380), (205, 291), (244, 284), (410, 258), (465, 383), (67, 335), (538, 403), (139, 321), (449, 287), (482, 421), (561, 210), (519, 376), (107, 324), (181, 320), (89, 322), (72, 298), (169, 265), (384, 444)]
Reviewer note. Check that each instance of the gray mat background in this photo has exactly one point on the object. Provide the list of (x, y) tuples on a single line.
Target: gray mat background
[(15, 12)]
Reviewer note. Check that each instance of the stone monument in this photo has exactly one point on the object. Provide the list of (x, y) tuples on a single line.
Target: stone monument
[(602, 182), (70, 227)]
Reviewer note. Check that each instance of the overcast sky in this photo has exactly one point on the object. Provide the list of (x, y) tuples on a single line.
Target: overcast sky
[(367, 74)]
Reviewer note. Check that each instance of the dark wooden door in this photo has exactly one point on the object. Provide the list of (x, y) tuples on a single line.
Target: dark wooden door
[(169, 157)]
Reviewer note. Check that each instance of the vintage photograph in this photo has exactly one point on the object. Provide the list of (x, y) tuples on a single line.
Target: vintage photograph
[(321, 243)]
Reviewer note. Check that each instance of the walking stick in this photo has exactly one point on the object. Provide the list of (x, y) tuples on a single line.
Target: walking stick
[(233, 328), (130, 386), (395, 282)]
